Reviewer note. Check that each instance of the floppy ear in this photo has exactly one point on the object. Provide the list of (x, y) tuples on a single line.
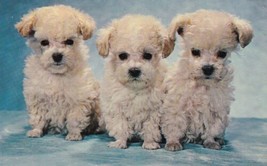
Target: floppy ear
[(244, 31), (102, 42), (86, 25), (178, 25), (25, 26), (168, 47)]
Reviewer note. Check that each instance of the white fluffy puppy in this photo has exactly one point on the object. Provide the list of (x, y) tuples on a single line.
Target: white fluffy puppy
[(198, 87), (131, 91), (60, 91)]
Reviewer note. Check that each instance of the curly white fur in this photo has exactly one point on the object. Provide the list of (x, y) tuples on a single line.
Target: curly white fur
[(61, 97), (131, 105), (196, 105)]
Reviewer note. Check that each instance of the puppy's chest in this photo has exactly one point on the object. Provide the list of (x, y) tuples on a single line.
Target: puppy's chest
[(205, 99), (57, 106), (57, 97), (55, 88), (205, 105), (138, 106), (58, 100)]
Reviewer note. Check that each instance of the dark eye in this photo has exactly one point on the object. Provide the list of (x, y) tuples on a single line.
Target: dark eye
[(221, 54), (69, 42), (195, 52), (123, 56), (147, 56), (44, 42)]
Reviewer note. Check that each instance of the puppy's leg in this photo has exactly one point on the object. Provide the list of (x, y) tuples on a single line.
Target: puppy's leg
[(119, 143), (121, 134), (118, 127), (37, 121), (221, 141), (37, 127), (215, 130), (211, 144), (151, 132), (78, 120), (174, 125)]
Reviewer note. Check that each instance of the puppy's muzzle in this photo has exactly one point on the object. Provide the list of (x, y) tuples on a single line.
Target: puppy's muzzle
[(57, 57), (134, 72), (208, 70)]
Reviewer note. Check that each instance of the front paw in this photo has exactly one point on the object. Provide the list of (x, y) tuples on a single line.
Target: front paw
[(173, 146), (74, 137), (35, 133), (150, 145), (212, 145), (221, 141), (118, 144)]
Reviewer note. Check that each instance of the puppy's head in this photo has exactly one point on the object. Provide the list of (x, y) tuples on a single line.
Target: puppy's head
[(56, 35), (134, 46), (209, 37)]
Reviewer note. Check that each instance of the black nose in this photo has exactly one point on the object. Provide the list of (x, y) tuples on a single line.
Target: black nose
[(134, 72), (208, 70), (57, 57)]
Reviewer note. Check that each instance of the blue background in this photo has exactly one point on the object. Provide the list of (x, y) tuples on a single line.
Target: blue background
[(250, 64)]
